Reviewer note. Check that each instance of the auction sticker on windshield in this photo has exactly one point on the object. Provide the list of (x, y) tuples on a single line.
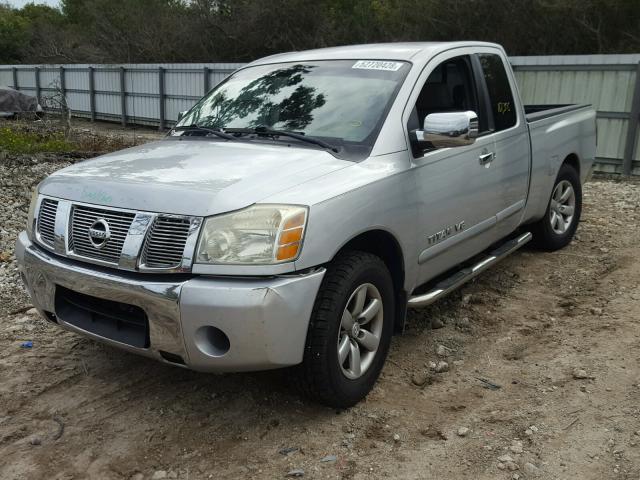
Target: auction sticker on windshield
[(377, 65)]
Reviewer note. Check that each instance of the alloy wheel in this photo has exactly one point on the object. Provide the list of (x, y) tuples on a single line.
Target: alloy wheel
[(562, 207), (360, 331)]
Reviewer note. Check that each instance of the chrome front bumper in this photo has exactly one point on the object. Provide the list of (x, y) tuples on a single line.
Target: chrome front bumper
[(264, 319)]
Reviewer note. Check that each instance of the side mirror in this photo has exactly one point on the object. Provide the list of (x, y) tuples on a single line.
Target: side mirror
[(182, 114), (449, 129)]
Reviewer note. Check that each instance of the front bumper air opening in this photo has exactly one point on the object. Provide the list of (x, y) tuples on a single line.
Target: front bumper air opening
[(108, 319), (171, 357), (212, 341)]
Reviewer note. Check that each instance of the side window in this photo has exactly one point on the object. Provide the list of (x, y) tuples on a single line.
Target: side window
[(500, 95), (449, 88)]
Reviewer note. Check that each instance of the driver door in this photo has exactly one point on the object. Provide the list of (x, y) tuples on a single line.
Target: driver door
[(458, 191)]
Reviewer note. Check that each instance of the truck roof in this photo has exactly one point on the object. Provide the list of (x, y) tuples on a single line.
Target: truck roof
[(378, 51)]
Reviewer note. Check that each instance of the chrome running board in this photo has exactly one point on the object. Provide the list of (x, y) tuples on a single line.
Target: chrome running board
[(462, 276)]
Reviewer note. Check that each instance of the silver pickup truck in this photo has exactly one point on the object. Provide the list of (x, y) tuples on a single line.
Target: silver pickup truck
[(296, 211)]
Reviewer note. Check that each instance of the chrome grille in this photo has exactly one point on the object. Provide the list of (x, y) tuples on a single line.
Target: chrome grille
[(165, 242), (82, 217), (47, 220)]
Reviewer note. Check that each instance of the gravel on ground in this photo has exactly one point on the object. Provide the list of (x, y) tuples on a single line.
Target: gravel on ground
[(542, 379)]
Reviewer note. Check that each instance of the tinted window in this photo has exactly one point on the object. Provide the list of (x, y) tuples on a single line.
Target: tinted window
[(500, 96), (449, 88)]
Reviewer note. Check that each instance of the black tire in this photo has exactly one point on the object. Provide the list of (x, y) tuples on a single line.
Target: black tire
[(544, 236), (320, 376)]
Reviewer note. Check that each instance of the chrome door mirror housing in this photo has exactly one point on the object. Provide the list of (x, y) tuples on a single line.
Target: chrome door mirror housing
[(449, 129)]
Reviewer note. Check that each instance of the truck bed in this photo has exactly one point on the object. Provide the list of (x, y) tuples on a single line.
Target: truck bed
[(533, 113)]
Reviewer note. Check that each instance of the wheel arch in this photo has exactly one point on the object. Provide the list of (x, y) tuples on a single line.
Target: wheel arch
[(542, 182), (386, 246), (573, 161)]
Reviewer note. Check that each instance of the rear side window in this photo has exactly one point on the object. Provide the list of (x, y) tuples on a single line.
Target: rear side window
[(500, 95)]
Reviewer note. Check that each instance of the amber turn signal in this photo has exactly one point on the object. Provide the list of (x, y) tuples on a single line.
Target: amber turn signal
[(296, 220), (288, 251), (290, 236)]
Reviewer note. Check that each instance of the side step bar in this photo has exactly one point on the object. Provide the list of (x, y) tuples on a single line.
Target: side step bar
[(462, 276)]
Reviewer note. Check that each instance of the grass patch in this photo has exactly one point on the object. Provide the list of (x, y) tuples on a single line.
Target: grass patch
[(16, 141), (49, 136)]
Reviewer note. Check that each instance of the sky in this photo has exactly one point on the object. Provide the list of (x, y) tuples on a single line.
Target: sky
[(22, 3)]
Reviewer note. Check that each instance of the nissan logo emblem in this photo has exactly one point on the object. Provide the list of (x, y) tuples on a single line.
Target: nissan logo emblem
[(99, 233)]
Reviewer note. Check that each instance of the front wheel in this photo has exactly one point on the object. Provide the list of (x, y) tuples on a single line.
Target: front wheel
[(349, 332), (556, 229)]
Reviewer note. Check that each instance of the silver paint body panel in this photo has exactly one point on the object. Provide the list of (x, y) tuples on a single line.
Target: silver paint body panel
[(409, 198)]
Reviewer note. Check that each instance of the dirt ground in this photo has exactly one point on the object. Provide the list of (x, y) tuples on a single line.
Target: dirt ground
[(543, 380)]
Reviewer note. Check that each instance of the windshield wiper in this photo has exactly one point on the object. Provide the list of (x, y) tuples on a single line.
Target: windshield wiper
[(262, 130), (198, 128)]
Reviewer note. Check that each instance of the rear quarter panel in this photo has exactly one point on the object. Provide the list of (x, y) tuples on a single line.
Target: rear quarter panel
[(553, 139)]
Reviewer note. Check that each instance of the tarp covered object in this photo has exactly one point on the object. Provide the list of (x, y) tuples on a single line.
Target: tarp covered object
[(14, 101)]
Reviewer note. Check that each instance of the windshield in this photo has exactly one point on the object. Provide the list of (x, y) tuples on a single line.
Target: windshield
[(342, 102)]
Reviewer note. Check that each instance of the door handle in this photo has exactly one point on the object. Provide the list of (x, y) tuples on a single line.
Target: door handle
[(487, 158)]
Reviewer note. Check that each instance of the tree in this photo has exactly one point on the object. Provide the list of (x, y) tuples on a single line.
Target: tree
[(13, 35), (112, 31)]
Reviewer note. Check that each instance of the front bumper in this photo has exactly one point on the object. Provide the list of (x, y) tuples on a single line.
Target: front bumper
[(265, 320)]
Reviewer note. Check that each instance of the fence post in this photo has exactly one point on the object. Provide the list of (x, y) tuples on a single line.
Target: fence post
[(632, 129), (37, 75), (205, 73), (63, 87), (161, 97), (123, 98), (14, 70), (63, 92), (92, 94)]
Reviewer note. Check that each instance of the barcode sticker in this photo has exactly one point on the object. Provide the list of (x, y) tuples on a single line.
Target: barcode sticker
[(378, 65)]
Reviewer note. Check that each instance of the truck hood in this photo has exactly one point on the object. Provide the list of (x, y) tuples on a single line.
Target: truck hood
[(190, 177)]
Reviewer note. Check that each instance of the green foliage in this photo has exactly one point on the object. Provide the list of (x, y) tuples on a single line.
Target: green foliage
[(31, 33), (241, 30), (13, 34), (15, 141)]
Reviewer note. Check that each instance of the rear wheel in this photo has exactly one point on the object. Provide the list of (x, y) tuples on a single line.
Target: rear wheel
[(349, 332), (556, 229)]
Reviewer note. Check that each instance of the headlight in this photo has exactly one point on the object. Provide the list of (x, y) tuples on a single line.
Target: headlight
[(32, 211), (262, 234)]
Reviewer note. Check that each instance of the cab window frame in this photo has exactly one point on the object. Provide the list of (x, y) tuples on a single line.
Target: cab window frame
[(480, 98)]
